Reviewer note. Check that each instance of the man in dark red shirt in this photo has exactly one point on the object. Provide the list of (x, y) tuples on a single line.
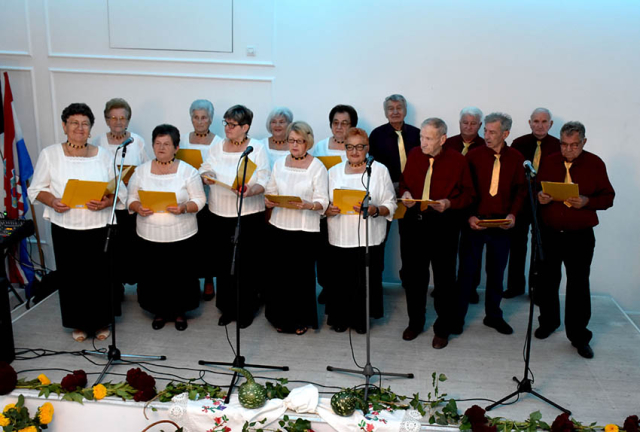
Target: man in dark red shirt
[(498, 176), (468, 139), (430, 232), (567, 236), (534, 147)]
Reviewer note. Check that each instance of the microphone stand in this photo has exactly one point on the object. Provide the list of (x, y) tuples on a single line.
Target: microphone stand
[(524, 385), (368, 370), (238, 361), (114, 355)]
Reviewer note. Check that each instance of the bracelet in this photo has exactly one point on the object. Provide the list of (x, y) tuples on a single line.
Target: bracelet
[(377, 213)]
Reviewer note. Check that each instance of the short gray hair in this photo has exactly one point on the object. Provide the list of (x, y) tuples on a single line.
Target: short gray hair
[(504, 119), (279, 112), (394, 98), (569, 128), (201, 104), (437, 123), (472, 111), (541, 110)]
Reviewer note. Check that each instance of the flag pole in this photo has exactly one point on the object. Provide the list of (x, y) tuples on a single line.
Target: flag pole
[(37, 232)]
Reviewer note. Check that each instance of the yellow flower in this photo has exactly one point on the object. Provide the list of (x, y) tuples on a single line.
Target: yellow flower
[(43, 379), (29, 429), (45, 413), (3, 421), (611, 428), (99, 392), (8, 407)]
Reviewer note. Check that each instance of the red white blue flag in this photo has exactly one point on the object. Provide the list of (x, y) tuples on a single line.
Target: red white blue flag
[(16, 203)]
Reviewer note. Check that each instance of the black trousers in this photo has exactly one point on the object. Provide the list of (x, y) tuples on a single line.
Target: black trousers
[(430, 238), (497, 242), (575, 250), (516, 280)]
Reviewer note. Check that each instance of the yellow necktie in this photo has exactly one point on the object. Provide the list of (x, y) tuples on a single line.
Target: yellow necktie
[(427, 181), (401, 151), (495, 177), (567, 178), (536, 156), (465, 150)]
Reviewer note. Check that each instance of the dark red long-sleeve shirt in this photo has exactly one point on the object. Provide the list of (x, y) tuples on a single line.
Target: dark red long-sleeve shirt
[(456, 143), (511, 187), (590, 173), (450, 178), (527, 145)]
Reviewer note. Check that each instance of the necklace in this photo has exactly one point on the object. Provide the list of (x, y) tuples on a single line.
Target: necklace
[(239, 143), (359, 164), (167, 162), (337, 142), (202, 135), (276, 142), (117, 137), (304, 156), (76, 146)]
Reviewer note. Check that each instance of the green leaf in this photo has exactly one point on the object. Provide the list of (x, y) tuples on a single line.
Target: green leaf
[(20, 403), (442, 378), (535, 416)]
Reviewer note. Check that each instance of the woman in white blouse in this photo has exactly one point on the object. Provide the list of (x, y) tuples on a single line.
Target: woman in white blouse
[(117, 115), (278, 121), (220, 169), (201, 112), (341, 118), (78, 233), (291, 303), (168, 285), (346, 292)]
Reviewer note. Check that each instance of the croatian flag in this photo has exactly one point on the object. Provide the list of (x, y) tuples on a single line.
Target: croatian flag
[(16, 203)]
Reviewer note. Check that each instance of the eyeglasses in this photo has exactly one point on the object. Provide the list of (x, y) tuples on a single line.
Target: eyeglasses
[(77, 124), (230, 125), (342, 123), (114, 118), (572, 146), (296, 141), (351, 147)]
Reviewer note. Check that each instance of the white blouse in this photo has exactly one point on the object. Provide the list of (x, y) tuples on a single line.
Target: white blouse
[(204, 148), (136, 151), (343, 229), (223, 166), (310, 184), (274, 155), (52, 173), (322, 149), (167, 227)]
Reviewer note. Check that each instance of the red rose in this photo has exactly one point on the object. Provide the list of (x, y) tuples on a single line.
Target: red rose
[(476, 417), (144, 395), (81, 376), (563, 423), (8, 378), (140, 380), (132, 375), (70, 383), (630, 424)]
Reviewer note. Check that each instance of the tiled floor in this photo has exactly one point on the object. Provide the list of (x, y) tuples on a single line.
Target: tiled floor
[(480, 363)]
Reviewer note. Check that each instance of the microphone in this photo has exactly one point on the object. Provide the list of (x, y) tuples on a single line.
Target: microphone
[(246, 152), (126, 142), (528, 167), (369, 161)]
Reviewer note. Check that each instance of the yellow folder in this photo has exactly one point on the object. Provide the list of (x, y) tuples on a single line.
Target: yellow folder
[(77, 193), (284, 200), (330, 161), (127, 172), (251, 168), (346, 199), (493, 223), (191, 156), (560, 191), (400, 210), (157, 201)]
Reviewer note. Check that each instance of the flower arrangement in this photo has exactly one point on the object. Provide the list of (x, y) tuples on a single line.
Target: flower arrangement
[(15, 417)]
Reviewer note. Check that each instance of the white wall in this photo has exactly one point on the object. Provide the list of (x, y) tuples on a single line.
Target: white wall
[(578, 58)]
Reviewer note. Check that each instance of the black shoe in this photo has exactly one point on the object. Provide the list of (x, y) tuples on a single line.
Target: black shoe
[(474, 298), (584, 350), (209, 291), (511, 293), (360, 330), (224, 320), (181, 324), (246, 323), (410, 334), (439, 342), (339, 329), (158, 323), (499, 324), (322, 297), (543, 332)]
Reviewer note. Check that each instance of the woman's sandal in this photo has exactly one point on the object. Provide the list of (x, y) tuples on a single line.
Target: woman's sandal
[(79, 335), (301, 330), (103, 334)]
